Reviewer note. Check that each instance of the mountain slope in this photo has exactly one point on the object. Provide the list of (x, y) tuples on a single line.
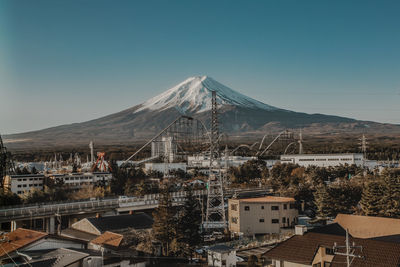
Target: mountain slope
[(239, 115)]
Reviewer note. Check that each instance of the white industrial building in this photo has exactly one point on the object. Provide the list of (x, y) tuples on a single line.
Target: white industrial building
[(203, 161), (165, 167), (77, 180), (324, 160), (19, 184)]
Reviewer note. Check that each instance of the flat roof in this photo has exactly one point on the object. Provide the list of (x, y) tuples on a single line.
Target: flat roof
[(267, 199)]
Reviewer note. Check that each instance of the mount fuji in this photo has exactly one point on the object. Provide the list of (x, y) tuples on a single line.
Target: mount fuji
[(239, 116)]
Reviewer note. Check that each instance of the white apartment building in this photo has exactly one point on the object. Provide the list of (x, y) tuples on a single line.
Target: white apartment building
[(261, 215), (324, 160), (19, 184)]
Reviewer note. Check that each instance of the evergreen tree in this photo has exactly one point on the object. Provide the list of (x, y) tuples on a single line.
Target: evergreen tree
[(164, 226), (189, 223), (371, 199), (391, 196), (323, 202)]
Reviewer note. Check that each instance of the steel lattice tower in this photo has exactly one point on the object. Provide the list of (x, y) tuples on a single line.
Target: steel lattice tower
[(215, 213), (6, 163)]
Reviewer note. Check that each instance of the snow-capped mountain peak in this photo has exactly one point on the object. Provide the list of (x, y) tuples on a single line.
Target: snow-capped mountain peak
[(194, 96)]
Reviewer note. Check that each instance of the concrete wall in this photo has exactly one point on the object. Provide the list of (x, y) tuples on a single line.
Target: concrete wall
[(250, 221)]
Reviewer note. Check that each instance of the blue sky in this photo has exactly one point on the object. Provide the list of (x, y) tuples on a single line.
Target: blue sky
[(71, 61)]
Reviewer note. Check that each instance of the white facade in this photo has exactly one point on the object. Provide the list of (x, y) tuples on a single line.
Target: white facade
[(324, 160), (202, 161), (77, 180), (18, 184), (165, 167), (222, 258)]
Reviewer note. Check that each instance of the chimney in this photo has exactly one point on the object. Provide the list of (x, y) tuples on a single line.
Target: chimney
[(300, 229)]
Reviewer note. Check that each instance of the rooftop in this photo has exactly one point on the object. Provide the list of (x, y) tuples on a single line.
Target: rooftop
[(302, 249), (18, 239), (368, 226), (108, 238), (267, 199), (136, 221)]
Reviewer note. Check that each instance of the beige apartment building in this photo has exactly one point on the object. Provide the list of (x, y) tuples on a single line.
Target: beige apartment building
[(261, 215)]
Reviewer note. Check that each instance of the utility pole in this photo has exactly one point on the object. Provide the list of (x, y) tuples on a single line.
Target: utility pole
[(349, 250)]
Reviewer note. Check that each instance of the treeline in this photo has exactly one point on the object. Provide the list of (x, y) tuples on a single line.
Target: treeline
[(325, 192)]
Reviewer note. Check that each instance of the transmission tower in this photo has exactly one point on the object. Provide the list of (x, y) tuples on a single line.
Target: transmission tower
[(6, 163), (364, 145), (215, 213)]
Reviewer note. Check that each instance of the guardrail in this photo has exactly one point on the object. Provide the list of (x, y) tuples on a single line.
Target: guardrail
[(41, 210)]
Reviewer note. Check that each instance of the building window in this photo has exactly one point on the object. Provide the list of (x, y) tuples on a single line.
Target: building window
[(291, 206), (234, 219), (262, 207), (327, 264), (283, 220), (329, 251), (317, 264), (246, 207), (275, 221), (274, 207), (19, 185), (285, 206), (261, 220), (234, 207)]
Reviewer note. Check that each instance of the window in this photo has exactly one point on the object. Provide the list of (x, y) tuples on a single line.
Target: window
[(329, 251), (19, 185), (284, 220), (274, 207), (262, 207), (19, 192), (261, 220), (327, 264), (275, 221), (285, 206), (317, 264), (24, 185), (246, 208), (234, 219), (291, 206), (234, 207)]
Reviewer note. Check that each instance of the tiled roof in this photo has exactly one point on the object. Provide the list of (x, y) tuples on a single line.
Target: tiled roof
[(301, 249), (267, 199), (108, 238), (330, 229), (119, 222), (368, 226), (18, 239)]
